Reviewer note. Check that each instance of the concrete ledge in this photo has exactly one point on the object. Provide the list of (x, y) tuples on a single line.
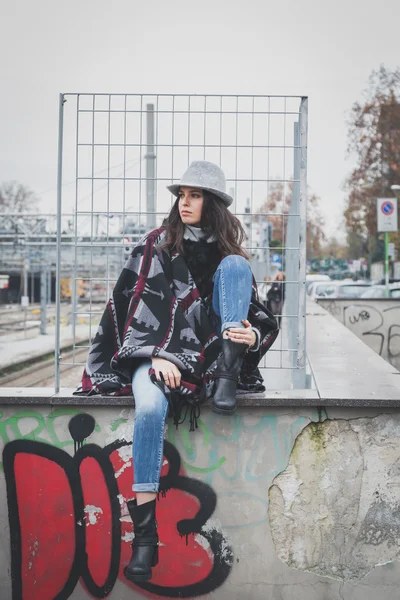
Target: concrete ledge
[(346, 372), (290, 398), (375, 321), (47, 396)]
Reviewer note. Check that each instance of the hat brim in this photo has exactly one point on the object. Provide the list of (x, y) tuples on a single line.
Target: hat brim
[(174, 189)]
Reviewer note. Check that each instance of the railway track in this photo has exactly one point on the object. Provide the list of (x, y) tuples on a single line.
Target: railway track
[(41, 373), (17, 320)]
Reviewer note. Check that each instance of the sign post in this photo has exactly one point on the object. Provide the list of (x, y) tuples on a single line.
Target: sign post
[(387, 221)]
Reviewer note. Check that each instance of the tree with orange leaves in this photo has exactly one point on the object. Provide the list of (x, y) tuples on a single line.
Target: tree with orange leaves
[(374, 139), (277, 207)]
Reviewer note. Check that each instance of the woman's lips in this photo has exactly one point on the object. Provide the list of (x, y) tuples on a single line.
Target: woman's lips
[(185, 212)]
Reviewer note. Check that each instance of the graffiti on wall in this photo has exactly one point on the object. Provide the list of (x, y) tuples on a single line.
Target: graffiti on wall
[(377, 323), (67, 498), (65, 517), (267, 435)]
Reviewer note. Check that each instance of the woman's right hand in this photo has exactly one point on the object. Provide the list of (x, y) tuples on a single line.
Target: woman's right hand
[(171, 374)]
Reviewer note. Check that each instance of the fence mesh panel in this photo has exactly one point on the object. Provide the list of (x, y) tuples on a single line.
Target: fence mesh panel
[(119, 153)]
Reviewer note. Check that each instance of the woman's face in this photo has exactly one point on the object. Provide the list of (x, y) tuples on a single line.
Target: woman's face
[(190, 205)]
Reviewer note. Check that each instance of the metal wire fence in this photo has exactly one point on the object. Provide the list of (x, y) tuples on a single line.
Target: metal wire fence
[(117, 154)]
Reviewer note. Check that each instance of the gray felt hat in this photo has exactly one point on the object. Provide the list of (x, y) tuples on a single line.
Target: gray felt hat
[(205, 175)]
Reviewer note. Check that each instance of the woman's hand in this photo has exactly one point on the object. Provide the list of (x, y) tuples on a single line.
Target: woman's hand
[(242, 336), (170, 373)]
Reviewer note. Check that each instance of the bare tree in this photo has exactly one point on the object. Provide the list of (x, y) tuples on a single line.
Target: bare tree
[(17, 198)]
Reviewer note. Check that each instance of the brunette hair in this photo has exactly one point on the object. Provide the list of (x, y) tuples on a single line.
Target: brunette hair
[(216, 219)]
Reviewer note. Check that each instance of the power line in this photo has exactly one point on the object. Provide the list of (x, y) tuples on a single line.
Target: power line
[(51, 189)]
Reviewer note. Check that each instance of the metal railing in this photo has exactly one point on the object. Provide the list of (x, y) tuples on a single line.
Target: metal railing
[(118, 152)]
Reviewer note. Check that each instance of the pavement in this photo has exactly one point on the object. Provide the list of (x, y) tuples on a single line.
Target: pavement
[(14, 351)]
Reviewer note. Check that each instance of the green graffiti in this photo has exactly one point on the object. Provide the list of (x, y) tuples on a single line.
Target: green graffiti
[(115, 424), (13, 427), (56, 414), (221, 454), (186, 440), (205, 469)]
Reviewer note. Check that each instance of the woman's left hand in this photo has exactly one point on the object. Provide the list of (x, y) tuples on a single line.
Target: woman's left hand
[(243, 336)]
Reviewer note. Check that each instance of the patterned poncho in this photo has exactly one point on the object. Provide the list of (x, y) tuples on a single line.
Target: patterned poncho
[(156, 310)]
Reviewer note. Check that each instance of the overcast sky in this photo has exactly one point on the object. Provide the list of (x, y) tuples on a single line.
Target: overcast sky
[(324, 50)]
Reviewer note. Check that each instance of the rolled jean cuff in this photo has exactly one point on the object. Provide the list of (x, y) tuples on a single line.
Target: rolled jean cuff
[(230, 324), (145, 487)]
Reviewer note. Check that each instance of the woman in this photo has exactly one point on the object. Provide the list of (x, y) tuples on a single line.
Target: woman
[(276, 296), (182, 317), (263, 290)]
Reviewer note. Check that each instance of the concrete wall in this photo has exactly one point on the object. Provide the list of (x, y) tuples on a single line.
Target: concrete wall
[(273, 503), (375, 322)]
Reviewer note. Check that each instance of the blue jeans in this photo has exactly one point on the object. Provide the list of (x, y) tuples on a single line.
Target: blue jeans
[(231, 301), (232, 292)]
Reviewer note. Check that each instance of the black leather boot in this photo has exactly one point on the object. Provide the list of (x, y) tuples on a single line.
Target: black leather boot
[(145, 543), (226, 377)]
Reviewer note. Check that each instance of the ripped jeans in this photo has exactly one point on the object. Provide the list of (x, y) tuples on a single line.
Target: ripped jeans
[(231, 301)]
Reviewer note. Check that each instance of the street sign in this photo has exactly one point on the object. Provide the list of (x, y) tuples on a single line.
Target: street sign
[(276, 258), (387, 214)]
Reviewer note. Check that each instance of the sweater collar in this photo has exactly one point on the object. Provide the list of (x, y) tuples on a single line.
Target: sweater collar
[(195, 234)]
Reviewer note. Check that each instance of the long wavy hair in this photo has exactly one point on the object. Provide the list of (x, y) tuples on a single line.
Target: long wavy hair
[(216, 219)]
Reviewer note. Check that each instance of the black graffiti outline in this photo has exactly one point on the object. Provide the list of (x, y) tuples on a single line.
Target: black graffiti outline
[(391, 337), (64, 460), (372, 331), (221, 567), (390, 334), (71, 466), (385, 340), (206, 496), (363, 315)]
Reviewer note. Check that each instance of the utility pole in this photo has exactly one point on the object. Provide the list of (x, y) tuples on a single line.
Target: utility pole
[(43, 298), (150, 169), (26, 266), (32, 287)]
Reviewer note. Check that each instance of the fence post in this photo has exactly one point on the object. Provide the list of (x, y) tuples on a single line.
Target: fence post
[(296, 256), (57, 355), (301, 345)]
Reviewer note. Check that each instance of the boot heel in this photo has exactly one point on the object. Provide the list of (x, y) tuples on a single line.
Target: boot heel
[(154, 562)]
